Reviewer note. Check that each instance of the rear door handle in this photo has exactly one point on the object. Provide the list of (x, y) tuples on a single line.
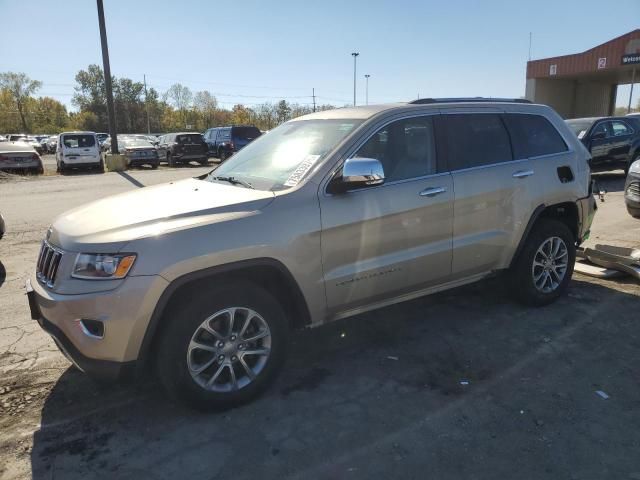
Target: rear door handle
[(522, 173), (432, 191)]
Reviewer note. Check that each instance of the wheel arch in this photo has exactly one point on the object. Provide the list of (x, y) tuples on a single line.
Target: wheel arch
[(566, 212), (268, 273)]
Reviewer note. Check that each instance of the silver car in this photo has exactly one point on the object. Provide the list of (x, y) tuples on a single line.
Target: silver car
[(19, 156), (329, 215)]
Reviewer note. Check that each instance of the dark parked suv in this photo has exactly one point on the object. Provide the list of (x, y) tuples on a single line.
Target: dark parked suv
[(614, 142), (225, 141), (184, 147)]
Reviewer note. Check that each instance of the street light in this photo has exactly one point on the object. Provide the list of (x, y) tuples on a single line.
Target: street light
[(355, 56), (107, 79), (366, 96)]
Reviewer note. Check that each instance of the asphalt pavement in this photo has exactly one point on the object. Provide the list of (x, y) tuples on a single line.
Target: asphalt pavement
[(462, 384)]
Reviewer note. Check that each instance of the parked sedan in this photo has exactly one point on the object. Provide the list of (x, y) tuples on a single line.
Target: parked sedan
[(19, 156), (632, 190), (138, 151), (614, 142)]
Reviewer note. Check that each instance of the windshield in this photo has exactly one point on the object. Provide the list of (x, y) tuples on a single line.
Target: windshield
[(579, 127), (282, 158)]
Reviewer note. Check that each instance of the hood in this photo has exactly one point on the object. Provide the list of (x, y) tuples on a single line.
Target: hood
[(154, 210)]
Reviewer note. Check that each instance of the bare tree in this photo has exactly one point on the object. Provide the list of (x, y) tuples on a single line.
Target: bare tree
[(181, 97), (207, 105), (21, 88)]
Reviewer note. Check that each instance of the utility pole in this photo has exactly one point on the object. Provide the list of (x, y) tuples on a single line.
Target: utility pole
[(314, 98), (366, 96), (107, 79), (146, 102), (633, 80), (355, 56)]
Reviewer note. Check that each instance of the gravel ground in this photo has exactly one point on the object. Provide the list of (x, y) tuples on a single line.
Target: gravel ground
[(462, 384)]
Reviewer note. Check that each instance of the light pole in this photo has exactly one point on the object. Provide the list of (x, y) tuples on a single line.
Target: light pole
[(107, 79), (366, 96), (355, 56)]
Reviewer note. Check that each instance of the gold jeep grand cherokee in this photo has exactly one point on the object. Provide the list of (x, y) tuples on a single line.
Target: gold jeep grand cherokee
[(328, 215)]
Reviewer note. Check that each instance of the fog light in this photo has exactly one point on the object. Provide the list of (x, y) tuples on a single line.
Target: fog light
[(92, 328)]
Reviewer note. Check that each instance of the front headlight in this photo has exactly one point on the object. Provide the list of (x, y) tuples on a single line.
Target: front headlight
[(635, 167), (95, 266)]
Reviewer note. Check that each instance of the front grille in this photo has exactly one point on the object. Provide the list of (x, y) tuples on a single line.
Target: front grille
[(634, 189), (47, 266)]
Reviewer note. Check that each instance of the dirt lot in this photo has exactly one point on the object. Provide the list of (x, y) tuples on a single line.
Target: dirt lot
[(382, 395)]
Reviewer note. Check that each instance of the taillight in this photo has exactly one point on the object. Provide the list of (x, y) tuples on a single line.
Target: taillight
[(4, 158), (35, 157), (232, 145)]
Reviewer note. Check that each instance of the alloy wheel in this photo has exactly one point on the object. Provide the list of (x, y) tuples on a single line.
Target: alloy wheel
[(550, 264), (229, 349)]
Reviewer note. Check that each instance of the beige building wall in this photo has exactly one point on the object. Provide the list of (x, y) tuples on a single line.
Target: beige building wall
[(573, 98)]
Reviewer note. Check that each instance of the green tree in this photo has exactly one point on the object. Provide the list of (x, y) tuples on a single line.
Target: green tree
[(20, 88), (283, 111), (181, 98)]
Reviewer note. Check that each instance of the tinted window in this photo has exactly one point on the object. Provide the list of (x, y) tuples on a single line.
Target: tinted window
[(475, 139), (79, 141), (405, 148), (189, 138), (619, 128), (246, 133), (533, 135), (602, 127)]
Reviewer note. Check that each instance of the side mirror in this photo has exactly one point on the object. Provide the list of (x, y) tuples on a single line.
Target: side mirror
[(358, 173), (598, 136)]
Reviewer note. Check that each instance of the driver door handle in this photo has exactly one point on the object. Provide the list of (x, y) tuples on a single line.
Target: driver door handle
[(432, 191), (522, 173)]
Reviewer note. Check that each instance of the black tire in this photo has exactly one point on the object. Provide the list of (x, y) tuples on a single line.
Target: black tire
[(634, 212), (186, 319), (521, 274), (170, 160), (628, 165), (154, 166), (101, 166), (62, 168), (222, 155)]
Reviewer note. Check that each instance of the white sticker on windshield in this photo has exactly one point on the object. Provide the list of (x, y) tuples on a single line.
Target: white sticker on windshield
[(301, 170), (581, 134)]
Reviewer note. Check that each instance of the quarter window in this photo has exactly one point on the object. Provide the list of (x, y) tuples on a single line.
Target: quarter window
[(405, 148), (533, 135), (475, 139)]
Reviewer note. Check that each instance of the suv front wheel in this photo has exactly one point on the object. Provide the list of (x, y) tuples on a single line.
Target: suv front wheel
[(544, 267), (222, 348)]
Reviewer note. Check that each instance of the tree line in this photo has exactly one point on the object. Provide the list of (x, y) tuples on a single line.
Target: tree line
[(136, 107)]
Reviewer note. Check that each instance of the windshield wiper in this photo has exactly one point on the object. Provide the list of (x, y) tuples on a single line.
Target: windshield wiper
[(233, 181)]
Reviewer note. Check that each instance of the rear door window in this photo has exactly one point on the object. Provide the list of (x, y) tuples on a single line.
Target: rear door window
[(533, 136), (474, 140), (619, 128), (79, 141)]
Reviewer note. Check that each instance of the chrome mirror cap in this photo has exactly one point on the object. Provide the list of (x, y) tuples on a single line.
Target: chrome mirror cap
[(359, 172)]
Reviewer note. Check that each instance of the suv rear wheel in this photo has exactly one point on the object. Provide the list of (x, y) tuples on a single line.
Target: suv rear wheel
[(544, 267), (222, 348)]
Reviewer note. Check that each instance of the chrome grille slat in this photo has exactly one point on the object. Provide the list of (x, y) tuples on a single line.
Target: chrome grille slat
[(634, 188), (47, 265)]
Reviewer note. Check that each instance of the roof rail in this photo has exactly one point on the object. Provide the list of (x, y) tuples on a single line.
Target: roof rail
[(423, 101)]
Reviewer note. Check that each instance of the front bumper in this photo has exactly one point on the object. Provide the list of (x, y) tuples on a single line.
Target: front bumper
[(124, 313)]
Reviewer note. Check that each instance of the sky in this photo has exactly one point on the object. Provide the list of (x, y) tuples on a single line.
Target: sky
[(254, 51)]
